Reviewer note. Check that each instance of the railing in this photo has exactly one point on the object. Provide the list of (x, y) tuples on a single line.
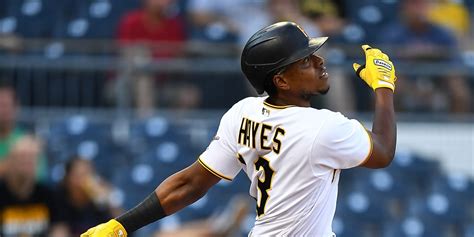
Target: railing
[(101, 74)]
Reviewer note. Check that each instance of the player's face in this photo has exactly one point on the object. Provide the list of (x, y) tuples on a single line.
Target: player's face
[(308, 77)]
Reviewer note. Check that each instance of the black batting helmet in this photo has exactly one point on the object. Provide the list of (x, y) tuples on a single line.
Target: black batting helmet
[(274, 47)]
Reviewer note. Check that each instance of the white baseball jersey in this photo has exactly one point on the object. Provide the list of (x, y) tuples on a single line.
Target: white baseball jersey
[(293, 157)]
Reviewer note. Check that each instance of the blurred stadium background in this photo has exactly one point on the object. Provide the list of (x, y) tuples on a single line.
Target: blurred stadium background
[(138, 87)]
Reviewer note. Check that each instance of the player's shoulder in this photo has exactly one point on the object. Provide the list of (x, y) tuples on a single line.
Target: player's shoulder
[(334, 115), (322, 114), (323, 120), (248, 102), (336, 125), (251, 99), (333, 118)]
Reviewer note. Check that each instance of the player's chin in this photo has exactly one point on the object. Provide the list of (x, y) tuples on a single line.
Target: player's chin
[(325, 90), (321, 91)]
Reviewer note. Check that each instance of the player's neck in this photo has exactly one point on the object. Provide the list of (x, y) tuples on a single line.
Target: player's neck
[(284, 101)]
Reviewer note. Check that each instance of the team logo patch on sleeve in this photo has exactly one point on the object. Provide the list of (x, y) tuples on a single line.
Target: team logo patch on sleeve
[(382, 63)]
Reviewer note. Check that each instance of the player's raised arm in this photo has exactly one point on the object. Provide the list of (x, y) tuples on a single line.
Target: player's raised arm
[(173, 194), (379, 73)]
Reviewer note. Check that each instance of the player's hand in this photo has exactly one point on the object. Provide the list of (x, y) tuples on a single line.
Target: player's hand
[(110, 229), (378, 71)]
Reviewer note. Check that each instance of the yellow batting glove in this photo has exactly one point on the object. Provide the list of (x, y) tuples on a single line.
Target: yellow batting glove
[(110, 229), (378, 71)]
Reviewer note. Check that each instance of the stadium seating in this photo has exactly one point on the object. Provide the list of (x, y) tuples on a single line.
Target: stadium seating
[(347, 227), (458, 186), (389, 202), (411, 226), (418, 170), (63, 19), (77, 135), (32, 12), (468, 230), (368, 17)]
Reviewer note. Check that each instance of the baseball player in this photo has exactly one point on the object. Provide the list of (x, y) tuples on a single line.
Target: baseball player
[(292, 153)]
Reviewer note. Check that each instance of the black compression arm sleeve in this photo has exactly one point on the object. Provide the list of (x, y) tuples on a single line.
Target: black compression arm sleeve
[(148, 211)]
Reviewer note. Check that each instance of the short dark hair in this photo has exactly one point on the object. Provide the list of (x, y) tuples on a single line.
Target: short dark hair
[(269, 85)]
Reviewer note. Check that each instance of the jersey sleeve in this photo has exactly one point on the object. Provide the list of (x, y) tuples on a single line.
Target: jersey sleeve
[(342, 143), (220, 158)]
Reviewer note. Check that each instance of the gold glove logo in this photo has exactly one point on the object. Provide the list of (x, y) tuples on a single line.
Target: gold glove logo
[(382, 63)]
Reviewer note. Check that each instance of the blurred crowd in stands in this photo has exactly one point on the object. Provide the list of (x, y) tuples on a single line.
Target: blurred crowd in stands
[(28, 206), (33, 204), (437, 33), (409, 30)]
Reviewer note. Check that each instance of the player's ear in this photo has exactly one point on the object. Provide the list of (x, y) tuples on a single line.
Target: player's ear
[(281, 82)]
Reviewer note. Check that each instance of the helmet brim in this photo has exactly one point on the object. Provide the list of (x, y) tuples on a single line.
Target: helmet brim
[(317, 42), (313, 45)]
